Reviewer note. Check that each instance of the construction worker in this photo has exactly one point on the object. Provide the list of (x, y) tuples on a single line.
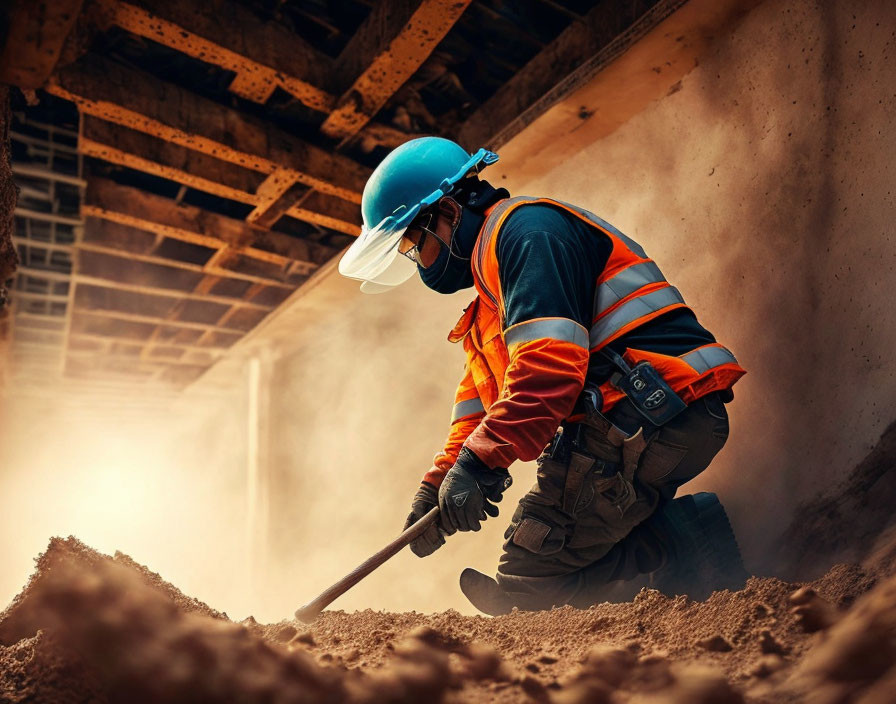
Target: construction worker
[(578, 353)]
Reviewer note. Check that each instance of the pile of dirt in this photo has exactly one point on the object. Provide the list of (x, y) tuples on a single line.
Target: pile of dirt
[(89, 627)]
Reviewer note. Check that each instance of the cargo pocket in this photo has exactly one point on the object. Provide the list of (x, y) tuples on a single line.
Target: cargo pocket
[(716, 409), (538, 537), (660, 458)]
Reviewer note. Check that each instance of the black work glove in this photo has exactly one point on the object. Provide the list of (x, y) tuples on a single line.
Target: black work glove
[(466, 493), (426, 499)]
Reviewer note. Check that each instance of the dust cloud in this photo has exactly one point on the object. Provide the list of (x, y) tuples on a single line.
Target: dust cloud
[(358, 405), (167, 488)]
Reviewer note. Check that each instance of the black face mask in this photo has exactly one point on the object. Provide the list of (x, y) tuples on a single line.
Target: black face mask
[(452, 270)]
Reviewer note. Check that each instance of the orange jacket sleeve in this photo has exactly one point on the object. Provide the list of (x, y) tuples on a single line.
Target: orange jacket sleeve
[(544, 377), (466, 415)]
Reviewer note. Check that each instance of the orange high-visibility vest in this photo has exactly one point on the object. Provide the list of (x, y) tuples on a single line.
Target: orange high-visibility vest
[(631, 290)]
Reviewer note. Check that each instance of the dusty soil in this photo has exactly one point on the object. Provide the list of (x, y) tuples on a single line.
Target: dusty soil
[(88, 627)]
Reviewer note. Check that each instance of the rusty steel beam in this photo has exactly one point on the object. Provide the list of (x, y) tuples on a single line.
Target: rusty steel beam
[(285, 196), (177, 264), (95, 337), (263, 55), (35, 34), (342, 216), (138, 100), (179, 294), (139, 362), (388, 48), (573, 58), (136, 150), (152, 320), (145, 211)]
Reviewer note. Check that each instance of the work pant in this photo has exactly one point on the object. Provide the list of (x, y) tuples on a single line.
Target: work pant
[(586, 521)]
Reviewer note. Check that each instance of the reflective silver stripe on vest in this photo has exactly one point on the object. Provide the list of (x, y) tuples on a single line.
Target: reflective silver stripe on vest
[(630, 311), (706, 358), (555, 328), (467, 408), (625, 283)]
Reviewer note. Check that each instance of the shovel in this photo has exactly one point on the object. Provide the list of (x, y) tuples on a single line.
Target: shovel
[(312, 609)]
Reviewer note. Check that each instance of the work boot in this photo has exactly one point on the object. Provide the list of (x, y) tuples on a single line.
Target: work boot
[(703, 552), (527, 593), (484, 593)]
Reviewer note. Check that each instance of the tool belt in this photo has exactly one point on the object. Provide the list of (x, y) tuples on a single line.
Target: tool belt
[(572, 447), (651, 397)]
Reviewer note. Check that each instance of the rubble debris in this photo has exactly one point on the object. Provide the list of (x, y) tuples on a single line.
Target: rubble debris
[(88, 627)]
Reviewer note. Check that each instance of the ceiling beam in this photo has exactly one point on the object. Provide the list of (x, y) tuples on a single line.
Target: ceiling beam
[(572, 59), (151, 320), (89, 280), (122, 95), (35, 33), (342, 216), (388, 48), (146, 211), (142, 152), (135, 150), (113, 244), (118, 254), (263, 55), (29, 296), (138, 362), (95, 337)]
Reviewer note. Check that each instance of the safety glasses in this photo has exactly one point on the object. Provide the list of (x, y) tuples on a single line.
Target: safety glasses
[(421, 224)]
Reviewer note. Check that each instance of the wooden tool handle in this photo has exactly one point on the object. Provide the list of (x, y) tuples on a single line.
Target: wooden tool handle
[(312, 609)]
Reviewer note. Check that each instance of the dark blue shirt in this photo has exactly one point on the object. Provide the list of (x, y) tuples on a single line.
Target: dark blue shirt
[(549, 262)]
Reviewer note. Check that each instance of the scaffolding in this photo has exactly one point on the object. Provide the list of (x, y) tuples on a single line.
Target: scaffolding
[(48, 171)]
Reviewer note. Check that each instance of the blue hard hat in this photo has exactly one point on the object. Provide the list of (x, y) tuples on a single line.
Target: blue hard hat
[(412, 177)]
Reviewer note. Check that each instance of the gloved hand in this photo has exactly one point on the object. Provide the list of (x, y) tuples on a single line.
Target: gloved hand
[(426, 498), (466, 493)]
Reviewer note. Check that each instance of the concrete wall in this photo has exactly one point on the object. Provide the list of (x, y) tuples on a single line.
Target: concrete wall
[(762, 184)]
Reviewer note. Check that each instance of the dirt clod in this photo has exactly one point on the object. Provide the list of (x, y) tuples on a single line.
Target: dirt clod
[(771, 645), (306, 638), (715, 644)]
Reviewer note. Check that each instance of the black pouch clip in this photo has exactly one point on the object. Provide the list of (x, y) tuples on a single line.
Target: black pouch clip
[(649, 393)]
